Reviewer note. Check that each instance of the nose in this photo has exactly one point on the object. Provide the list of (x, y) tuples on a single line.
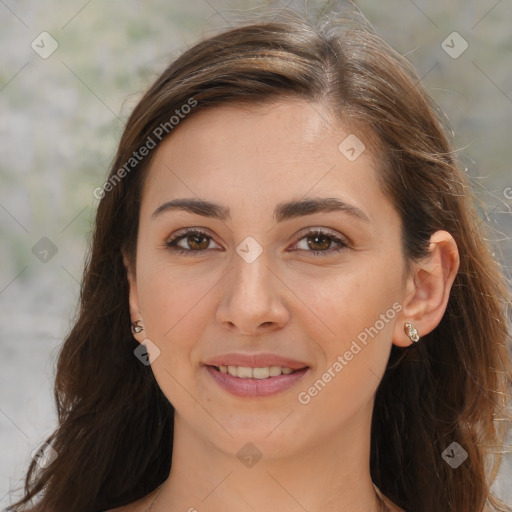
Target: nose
[(252, 300)]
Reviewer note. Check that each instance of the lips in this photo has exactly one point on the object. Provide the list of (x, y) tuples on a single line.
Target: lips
[(256, 361), (253, 375)]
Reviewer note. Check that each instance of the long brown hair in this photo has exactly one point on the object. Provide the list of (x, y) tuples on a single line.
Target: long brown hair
[(115, 430)]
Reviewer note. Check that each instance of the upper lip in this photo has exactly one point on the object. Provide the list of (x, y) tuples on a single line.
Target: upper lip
[(255, 361)]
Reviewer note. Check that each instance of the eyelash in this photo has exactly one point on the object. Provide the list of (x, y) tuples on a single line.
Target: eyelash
[(171, 243)]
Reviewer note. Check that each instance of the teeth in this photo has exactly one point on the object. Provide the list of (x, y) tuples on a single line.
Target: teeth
[(261, 373), (275, 371), (245, 372)]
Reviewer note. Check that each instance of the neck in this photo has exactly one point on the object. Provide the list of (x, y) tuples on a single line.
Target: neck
[(328, 473)]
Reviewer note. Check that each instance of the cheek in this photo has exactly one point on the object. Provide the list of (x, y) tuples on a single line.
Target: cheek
[(176, 309), (369, 313), (361, 309), (170, 306), (347, 303), (170, 300), (359, 306)]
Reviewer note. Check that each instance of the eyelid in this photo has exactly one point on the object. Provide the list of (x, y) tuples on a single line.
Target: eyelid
[(325, 231), (184, 233), (343, 243)]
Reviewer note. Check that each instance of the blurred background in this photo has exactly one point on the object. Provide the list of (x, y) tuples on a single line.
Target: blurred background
[(70, 74)]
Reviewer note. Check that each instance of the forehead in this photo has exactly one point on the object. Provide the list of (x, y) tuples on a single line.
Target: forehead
[(254, 154)]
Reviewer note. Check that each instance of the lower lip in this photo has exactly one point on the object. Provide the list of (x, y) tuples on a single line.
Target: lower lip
[(256, 387)]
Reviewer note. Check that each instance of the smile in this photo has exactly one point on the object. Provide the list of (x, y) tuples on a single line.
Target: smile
[(260, 381)]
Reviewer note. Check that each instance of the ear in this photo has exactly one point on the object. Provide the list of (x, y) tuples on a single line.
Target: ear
[(428, 288), (135, 310)]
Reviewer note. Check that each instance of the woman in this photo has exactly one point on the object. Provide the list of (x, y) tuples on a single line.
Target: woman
[(288, 303)]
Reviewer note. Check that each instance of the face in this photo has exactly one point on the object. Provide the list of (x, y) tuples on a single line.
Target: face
[(274, 277)]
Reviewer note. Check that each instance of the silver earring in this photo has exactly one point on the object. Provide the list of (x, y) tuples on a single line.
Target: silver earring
[(412, 332), (136, 328)]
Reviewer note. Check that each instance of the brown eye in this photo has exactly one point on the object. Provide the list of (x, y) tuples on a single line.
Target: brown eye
[(320, 243), (197, 241)]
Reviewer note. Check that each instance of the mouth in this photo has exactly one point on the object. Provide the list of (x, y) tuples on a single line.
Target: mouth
[(247, 381)]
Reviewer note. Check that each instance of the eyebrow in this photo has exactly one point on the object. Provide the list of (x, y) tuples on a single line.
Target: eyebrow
[(282, 212)]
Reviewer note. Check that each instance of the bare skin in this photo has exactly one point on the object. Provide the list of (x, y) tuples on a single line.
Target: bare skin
[(314, 446), (145, 503)]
